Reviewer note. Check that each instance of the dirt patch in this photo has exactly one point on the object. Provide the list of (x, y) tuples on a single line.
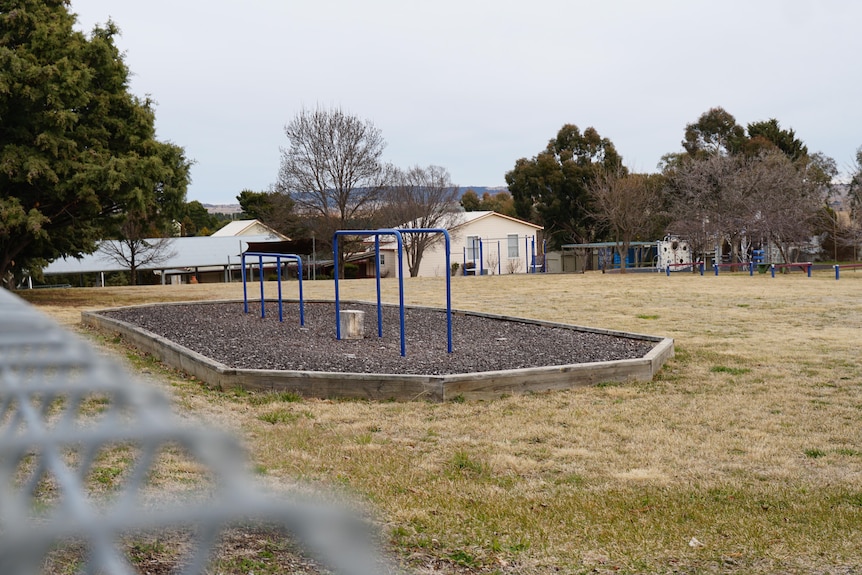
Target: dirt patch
[(225, 333)]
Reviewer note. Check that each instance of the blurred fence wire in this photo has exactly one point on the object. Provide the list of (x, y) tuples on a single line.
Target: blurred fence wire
[(65, 409)]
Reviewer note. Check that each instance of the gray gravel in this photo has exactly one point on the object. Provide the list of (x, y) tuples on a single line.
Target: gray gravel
[(223, 332)]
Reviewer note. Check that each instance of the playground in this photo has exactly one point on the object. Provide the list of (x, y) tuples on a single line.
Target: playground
[(741, 456), (495, 355)]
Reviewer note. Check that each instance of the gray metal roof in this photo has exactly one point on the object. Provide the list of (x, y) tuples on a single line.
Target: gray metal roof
[(191, 252)]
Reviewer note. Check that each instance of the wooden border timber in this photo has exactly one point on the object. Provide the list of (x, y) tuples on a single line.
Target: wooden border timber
[(398, 387)]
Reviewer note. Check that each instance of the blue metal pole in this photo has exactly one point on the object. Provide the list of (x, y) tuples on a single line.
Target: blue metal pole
[(464, 267), (401, 288), (448, 244), (526, 250), (260, 273), (280, 306), (400, 243), (301, 304), (335, 271), (533, 254), (715, 267), (809, 270), (667, 270), (481, 257), (773, 270), (837, 272), (379, 305), (499, 259), (244, 287), (448, 297)]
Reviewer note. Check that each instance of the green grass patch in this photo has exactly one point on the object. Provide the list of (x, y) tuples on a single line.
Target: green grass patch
[(647, 316), (462, 463), (279, 416), (275, 397), (729, 370), (464, 558)]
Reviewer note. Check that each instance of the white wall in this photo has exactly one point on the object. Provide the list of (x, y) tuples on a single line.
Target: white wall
[(491, 229)]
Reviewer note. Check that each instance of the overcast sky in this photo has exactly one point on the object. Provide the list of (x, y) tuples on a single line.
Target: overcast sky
[(473, 85)]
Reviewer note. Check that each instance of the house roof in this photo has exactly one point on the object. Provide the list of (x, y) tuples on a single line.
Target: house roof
[(465, 218), (190, 252), (458, 220), (245, 227)]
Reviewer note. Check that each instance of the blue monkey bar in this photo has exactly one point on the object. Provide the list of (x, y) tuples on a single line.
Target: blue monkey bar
[(399, 240), (260, 256)]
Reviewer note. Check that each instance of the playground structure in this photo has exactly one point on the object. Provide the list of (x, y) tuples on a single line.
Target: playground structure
[(750, 266), (278, 257), (839, 267), (388, 386), (674, 252), (398, 234)]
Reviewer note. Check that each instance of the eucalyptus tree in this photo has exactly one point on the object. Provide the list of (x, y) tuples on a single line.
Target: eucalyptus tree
[(552, 188)]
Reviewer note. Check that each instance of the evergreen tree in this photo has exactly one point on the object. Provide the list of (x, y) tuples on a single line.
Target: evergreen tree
[(77, 150)]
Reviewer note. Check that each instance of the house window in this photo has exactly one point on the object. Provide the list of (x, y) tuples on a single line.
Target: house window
[(472, 248), (513, 245), (382, 259)]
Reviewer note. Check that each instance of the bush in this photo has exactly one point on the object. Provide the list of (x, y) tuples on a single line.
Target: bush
[(351, 271)]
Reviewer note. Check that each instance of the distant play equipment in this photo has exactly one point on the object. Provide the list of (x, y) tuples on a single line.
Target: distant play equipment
[(673, 252), (806, 266), (278, 258), (684, 267), (838, 268), (398, 234)]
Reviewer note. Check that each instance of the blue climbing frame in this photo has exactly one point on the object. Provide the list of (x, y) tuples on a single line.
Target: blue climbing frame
[(400, 241), (278, 257)]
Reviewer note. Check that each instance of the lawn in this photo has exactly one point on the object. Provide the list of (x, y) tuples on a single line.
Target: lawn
[(744, 455)]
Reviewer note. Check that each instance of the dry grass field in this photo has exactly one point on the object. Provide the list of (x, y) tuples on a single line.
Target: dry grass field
[(743, 456)]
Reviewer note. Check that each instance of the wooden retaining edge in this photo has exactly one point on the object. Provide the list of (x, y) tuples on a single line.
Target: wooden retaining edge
[(397, 387)]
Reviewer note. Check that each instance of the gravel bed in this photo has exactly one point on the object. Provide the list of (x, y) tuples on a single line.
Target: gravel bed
[(223, 332)]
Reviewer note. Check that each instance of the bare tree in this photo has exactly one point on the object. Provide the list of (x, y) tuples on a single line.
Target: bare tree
[(134, 250), (513, 265), (332, 169), (787, 201), (627, 204), (421, 198), (738, 199), (492, 260), (710, 203)]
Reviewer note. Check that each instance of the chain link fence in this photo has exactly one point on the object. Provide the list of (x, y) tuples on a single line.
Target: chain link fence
[(81, 440)]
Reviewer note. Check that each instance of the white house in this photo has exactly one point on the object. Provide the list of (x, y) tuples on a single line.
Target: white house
[(239, 228), (482, 242)]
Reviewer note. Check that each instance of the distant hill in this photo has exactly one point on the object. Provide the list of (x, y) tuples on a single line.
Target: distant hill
[(234, 209), (229, 209), (492, 190)]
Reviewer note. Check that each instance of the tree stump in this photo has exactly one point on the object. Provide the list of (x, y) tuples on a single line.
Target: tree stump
[(352, 323)]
